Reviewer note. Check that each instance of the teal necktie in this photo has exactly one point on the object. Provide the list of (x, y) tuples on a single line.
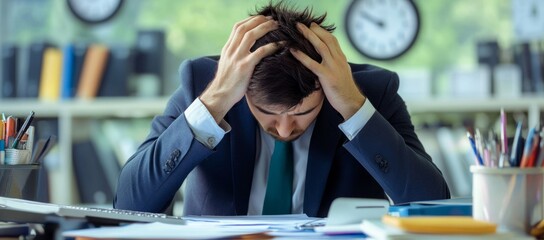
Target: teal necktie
[(279, 187)]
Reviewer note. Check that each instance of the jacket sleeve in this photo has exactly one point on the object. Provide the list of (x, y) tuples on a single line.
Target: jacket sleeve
[(388, 147), (152, 176)]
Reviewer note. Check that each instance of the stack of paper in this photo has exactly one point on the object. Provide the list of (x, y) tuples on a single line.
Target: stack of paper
[(161, 231), (208, 227)]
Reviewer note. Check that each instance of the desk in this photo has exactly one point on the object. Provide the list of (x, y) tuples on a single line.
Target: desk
[(55, 224)]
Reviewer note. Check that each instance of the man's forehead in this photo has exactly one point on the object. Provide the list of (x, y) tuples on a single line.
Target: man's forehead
[(307, 105)]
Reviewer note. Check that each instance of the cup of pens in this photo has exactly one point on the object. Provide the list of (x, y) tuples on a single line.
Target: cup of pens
[(18, 173), (16, 145), (508, 179)]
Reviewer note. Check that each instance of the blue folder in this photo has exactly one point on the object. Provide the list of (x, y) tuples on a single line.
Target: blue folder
[(443, 207), (431, 210)]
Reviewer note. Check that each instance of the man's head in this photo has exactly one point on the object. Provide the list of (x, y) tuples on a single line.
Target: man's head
[(283, 95)]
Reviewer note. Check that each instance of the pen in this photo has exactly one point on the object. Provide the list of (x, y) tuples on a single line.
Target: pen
[(479, 160), (534, 150), (2, 130), (494, 149), (540, 157), (9, 132), (504, 137), (23, 129), (2, 152), (504, 141), (479, 142), (514, 161), (527, 149)]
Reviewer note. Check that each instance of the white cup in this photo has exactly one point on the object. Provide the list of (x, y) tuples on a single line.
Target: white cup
[(509, 197)]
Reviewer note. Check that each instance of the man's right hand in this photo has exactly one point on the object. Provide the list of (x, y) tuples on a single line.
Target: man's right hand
[(236, 65)]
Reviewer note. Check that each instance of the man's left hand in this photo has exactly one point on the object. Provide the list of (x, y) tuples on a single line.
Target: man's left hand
[(333, 72)]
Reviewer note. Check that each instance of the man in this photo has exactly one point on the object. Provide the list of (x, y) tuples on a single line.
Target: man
[(282, 82)]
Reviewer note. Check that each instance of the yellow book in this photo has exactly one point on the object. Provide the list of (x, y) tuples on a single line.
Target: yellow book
[(51, 74), (441, 224)]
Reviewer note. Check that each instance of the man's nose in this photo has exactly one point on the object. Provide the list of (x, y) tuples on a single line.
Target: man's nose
[(285, 126)]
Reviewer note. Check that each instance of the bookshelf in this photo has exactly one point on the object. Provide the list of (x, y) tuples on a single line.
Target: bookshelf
[(530, 104), (61, 175), (61, 172)]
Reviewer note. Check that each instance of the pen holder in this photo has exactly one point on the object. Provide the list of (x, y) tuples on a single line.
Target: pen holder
[(19, 181), (17, 156), (509, 197)]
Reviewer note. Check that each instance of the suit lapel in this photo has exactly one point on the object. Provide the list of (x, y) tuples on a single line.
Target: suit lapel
[(243, 147), (320, 156)]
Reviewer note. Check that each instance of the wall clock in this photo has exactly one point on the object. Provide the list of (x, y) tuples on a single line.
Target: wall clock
[(382, 29), (528, 20), (94, 11)]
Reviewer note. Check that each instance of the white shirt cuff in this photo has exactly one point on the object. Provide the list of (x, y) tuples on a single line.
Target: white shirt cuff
[(355, 123), (203, 125)]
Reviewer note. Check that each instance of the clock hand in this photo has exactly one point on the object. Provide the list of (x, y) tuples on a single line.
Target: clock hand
[(373, 20)]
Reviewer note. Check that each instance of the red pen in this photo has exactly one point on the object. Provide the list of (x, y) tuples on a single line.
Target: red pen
[(11, 127)]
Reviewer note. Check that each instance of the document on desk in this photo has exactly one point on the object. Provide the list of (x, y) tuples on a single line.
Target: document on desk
[(287, 220), (209, 227), (31, 206), (158, 230)]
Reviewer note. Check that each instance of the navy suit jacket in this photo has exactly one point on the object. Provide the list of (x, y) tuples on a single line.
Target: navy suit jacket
[(385, 157)]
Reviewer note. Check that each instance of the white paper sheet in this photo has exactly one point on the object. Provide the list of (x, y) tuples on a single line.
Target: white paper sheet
[(163, 231)]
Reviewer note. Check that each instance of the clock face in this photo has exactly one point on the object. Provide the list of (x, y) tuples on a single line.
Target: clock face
[(382, 29), (528, 19), (94, 11)]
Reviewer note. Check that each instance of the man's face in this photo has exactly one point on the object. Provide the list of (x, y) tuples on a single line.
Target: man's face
[(287, 124)]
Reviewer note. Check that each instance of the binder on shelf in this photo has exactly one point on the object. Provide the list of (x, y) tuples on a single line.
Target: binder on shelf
[(150, 47), (536, 68), (107, 161), (117, 73), (522, 56), (80, 50), (91, 179), (489, 55), (67, 80), (35, 60), (8, 79), (22, 69), (51, 74), (93, 71), (149, 58)]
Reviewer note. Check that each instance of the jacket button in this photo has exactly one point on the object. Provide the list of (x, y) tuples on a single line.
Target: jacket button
[(175, 154), (378, 158), (169, 165), (382, 163)]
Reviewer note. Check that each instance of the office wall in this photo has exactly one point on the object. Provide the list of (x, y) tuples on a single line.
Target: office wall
[(193, 28)]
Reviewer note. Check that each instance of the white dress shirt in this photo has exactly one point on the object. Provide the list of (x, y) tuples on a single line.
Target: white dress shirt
[(209, 133)]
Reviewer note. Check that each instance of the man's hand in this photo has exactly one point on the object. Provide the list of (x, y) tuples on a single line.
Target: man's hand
[(237, 64), (333, 72)]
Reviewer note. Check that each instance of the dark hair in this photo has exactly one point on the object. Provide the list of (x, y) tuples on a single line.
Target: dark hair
[(280, 79)]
